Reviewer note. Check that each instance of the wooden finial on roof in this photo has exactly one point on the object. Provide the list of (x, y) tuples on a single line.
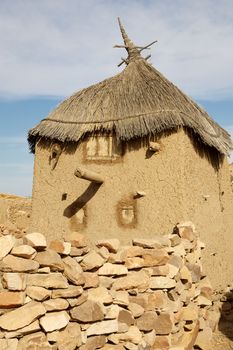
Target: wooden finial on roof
[(133, 50)]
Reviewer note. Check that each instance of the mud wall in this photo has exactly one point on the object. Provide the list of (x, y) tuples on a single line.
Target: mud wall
[(15, 211), (144, 194)]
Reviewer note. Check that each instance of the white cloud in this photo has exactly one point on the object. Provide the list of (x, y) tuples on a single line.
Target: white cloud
[(58, 46)]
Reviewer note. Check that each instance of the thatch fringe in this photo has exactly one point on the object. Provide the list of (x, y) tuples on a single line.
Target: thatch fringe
[(135, 103)]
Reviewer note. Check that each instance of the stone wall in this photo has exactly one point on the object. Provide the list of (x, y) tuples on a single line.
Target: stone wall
[(71, 294)]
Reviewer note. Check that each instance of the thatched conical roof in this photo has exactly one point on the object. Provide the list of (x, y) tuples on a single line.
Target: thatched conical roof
[(137, 102)]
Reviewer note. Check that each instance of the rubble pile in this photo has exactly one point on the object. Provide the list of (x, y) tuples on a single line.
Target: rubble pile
[(69, 294)]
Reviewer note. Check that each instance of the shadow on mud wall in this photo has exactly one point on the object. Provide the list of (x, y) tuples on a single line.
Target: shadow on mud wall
[(225, 325)]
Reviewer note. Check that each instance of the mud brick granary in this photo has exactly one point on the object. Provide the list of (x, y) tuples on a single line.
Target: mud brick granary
[(129, 156)]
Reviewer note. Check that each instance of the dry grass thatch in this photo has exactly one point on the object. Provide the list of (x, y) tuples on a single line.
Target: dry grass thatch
[(137, 102)]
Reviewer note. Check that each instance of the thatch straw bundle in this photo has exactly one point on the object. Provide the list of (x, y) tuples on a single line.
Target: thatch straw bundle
[(137, 102)]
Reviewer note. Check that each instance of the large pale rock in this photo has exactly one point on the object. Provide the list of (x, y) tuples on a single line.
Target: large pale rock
[(158, 242), (14, 281), (112, 312), (126, 317), (35, 341), (89, 311), (161, 343), (134, 263), (8, 344), (138, 279), (11, 299), (35, 240), (146, 322), (70, 292), (38, 293), (103, 327), (31, 328), (70, 337), (204, 338), (60, 247), (14, 264), (111, 244), (22, 316), (186, 230), (56, 304), (24, 251), (54, 321), (136, 309), (159, 270), (156, 300), (132, 335), (52, 280), (91, 280), (92, 261), (50, 258), (76, 239), (73, 271), (109, 269), (163, 324), (120, 297), (94, 343), (162, 283), (155, 257), (6, 244), (100, 294)]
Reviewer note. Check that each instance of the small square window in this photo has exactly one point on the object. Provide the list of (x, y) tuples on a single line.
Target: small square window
[(102, 147)]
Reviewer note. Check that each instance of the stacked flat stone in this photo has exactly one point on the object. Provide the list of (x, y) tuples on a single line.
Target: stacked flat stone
[(149, 295)]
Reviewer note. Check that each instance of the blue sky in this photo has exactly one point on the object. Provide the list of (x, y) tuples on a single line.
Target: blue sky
[(51, 48)]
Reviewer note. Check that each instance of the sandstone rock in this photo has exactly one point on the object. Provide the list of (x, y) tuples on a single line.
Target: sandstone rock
[(89, 311), (132, 252), (132, 335), (70, 292), (203, 301), (11, 299), (54, 320), (162, 283), (188, 339), (50, 258), (113, 347), (159, 270), (140, 299), (100, 294), (112, 312), (103, 327), (32, 328), (109, 269), (6, 244), (94, 343), (125, 316), (120, 298), (34, 341), (186, 230), (38, 293), (157, 242), (56, 304), (60, 247), (135, 309), (44, 270), (8, 344), (156, 300), (35, 240), (77, 301), (155, 257), (14, 281), (149, 337), (22, 316), (14, 264), (163, 324), (132, 280), (106, 281), (161, 343), (189, 313), (52, 280), (204, 339), (146, 322), (130, 346), (70, 337), (134, 263), (91, 280), (92, 261), (76, 239), (24, 251), (111, 244), (52, 336), (104, 252), (74, 252), (73, 271)]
